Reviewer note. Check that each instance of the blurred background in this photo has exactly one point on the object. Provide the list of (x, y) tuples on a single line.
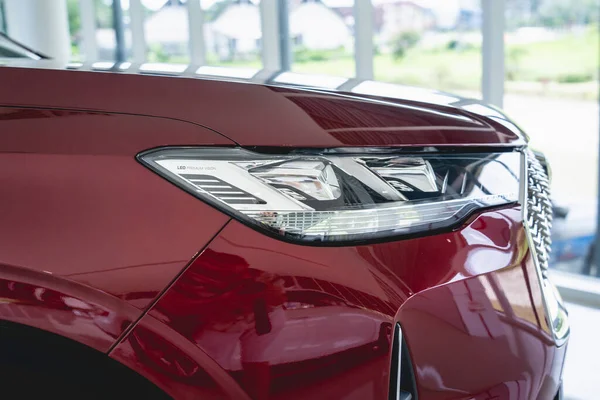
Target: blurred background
[(537, 59)]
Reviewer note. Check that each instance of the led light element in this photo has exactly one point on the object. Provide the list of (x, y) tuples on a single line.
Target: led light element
[(340, 197)]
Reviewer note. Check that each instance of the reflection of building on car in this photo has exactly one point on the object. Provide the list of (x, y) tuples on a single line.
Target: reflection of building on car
[(315, 326), (316, 329)]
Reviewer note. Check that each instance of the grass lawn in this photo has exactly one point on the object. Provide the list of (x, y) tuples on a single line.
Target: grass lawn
[(441, 69), (574, 55), (560, 67)]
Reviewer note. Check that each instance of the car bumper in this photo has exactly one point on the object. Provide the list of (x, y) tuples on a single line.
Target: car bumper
[(254, 316)]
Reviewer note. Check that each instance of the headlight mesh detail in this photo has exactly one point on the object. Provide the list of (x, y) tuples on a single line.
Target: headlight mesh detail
[(539, 210)]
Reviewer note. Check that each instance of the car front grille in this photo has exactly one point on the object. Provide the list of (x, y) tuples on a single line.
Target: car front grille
[(539, 210)]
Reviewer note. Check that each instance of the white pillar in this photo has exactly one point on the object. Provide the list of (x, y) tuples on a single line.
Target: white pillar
[(492, 52), (138, 36), (363, 38), (89, 47), (271, 50), (42, 25), (196, 33)]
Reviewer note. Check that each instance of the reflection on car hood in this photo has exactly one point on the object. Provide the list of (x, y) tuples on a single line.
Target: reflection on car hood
[(272, 112)]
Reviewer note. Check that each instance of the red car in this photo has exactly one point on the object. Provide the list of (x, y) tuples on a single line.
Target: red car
[(210, 239)]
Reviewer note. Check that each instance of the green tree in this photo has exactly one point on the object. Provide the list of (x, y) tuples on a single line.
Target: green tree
[(561, 13), (103, 10), (104, 13), (74, 17), (403, 42)]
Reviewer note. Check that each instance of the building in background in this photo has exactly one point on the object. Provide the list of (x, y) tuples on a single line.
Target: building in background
[(314, 25), (232, 29), (403, 16)]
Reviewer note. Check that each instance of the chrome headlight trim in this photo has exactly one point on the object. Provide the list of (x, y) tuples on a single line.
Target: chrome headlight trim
[(337, 198)]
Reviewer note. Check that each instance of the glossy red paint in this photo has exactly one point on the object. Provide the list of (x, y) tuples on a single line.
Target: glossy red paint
[(94, 247), (256, 115), (175, 364), (77, 204), (63, 307), (51, 131), (290, 321)]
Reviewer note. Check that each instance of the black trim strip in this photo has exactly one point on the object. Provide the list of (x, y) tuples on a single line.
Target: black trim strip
[(402, 377), (405, 150)]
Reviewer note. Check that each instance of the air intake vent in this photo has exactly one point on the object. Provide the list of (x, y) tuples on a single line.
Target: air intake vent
[(221, 189)]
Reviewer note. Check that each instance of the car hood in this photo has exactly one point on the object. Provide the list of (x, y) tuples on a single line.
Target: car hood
[(266, 115)]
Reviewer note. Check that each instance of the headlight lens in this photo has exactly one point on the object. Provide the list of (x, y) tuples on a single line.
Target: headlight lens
[(338, 197)]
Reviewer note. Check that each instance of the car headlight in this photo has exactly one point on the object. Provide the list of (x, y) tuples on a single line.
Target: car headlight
[(336, 196)]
